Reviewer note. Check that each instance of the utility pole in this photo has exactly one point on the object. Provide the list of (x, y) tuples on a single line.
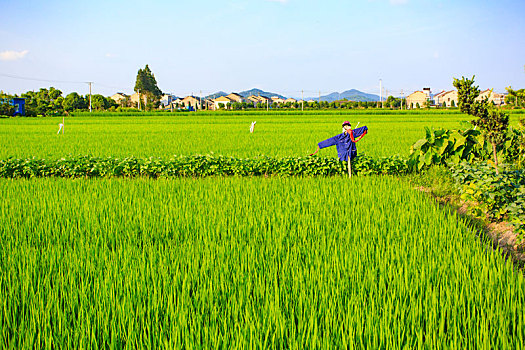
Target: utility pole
[(138, 92), (90, 96), (381, 92), (386, 95), (302, 100), (200, 102), (402, 96), (319, 98), (267, 106)]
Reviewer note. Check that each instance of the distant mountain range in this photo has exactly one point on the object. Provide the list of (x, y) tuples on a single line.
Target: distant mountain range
[(247, 93), (217, 94), (351, 95)]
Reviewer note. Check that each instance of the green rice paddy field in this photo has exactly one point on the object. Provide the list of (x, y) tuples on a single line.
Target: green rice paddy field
[(242, 262), (276, 134)]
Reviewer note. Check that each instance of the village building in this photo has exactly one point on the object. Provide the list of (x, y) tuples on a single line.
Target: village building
[(223, 101), (135, 98), (277, 99), (208, 104), (177, 102), (290, 100), (497, 99), (449, 99), (438, 98), (418, 98), (236, 97), (18, 103), (258, 99), (191, 101), (119, 97), (254, 99), (167, 99)]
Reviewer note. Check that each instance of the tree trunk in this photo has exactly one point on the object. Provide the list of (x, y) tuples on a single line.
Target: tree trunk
[(495, 157), (349, 168)]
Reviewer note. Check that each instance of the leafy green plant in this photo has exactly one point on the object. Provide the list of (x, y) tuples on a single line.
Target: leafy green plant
[(441, 146), (515, 145), (197, 166), (493, 122), (501, 197)]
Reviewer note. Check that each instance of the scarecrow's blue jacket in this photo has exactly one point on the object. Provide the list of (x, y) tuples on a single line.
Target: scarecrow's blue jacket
[(344, 144)]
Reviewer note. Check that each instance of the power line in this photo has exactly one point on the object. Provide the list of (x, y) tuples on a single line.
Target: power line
[(43, 80), (302, 92)]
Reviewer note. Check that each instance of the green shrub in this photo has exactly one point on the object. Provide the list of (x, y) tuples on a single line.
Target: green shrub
[(501, 197), (197, 166)]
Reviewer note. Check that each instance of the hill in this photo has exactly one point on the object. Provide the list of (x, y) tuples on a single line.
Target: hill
[(217, 94), (351, 95), (259, 92), (247, 93)]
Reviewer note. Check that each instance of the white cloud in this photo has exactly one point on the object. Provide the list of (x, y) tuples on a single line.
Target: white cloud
[(281, 1), (111, 55), (398, 2), (12, 55)]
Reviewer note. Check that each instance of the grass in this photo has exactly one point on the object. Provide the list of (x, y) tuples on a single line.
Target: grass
[(276, 135), (228, 262), (243, 262)]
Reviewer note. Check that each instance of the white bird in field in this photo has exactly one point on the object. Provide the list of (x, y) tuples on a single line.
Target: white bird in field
[(252, 127)]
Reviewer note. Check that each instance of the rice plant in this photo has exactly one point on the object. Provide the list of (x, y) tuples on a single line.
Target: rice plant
[(276, 135), (247, 262)]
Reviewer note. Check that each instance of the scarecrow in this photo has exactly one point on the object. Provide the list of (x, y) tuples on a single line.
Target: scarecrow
[(345, 143)]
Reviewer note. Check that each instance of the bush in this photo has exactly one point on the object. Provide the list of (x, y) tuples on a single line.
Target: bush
[(6, 109), (197, 166), (500, 197)]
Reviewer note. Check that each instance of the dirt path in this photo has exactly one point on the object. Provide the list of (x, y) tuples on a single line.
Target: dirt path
[(501, 234)]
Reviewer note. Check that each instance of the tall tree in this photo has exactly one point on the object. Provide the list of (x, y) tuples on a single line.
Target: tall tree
[(147, 84), (492, 122), (515, 97), (73, 101), (44, 102), (99, 102), (5, 107)]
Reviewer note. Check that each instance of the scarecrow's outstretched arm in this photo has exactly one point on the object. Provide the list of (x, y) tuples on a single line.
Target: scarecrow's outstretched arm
[(360, 137), (332, 141)]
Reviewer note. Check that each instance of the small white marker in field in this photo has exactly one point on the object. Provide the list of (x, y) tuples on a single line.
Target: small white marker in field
[(252, 127), (60, 127)]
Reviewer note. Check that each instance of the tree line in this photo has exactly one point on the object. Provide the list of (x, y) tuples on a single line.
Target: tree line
[(391, 102), (51, 102)]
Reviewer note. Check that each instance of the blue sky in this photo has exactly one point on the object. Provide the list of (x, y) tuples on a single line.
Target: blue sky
[(283, 46)]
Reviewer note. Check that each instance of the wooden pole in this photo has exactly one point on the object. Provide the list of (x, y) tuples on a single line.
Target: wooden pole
[(349, 168)]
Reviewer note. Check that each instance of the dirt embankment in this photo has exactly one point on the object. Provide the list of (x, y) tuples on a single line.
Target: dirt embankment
[(501, 233)]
